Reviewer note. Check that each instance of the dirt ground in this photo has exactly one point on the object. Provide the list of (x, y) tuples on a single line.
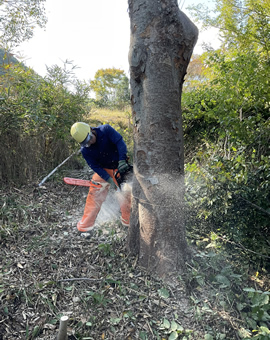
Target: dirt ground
[(48, 270)]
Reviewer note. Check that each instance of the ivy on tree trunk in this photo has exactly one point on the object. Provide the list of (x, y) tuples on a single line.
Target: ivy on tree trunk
[(162, 41)]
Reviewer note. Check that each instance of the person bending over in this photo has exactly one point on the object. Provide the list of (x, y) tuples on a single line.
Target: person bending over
[(105, 152)]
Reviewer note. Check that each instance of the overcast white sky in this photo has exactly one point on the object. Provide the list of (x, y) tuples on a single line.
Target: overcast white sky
[(94, 34)]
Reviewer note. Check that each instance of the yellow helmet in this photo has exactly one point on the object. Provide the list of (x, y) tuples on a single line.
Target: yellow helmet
[(79, 131)]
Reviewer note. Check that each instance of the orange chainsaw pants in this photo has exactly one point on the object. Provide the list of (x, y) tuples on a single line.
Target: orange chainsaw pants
[(97, 194)]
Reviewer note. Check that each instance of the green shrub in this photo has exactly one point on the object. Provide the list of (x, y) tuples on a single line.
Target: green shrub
[(35, 118)]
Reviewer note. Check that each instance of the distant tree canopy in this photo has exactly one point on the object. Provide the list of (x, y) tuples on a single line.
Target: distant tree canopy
[(111, 88), (195, 76), (18, 18)]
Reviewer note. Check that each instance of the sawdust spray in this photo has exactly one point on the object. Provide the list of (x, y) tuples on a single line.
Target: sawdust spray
[(110, 209)]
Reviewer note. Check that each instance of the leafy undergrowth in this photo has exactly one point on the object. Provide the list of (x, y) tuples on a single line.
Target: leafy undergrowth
[(47, 270)]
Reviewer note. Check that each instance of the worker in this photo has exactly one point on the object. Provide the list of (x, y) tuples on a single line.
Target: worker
[(105, 151)]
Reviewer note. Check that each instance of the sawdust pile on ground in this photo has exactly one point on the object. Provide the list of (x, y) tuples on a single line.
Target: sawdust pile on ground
[(48, 270)]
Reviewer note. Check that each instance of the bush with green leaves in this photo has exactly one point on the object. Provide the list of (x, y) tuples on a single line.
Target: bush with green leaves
[(228, 167), (218, 287), (231, 197), (35, 118), (227, 131)]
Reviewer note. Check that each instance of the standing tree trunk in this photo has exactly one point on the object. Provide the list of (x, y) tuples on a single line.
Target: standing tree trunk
[(162, 41)]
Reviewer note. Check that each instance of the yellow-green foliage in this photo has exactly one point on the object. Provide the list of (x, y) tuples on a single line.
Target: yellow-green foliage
[(111, 88)]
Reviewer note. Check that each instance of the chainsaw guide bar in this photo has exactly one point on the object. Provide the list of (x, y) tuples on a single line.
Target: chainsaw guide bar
[(76, 181)]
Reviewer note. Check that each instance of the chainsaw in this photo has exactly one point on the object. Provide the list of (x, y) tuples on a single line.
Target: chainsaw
[(120, 178)]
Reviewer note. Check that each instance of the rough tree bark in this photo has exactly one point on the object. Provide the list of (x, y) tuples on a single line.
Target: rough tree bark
[(162, 41)]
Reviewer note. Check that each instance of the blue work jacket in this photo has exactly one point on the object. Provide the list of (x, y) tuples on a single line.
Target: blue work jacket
[(108, 150)]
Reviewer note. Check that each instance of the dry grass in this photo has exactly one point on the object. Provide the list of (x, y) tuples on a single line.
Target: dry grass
[(24, 158), (48, 270), (106, 116)]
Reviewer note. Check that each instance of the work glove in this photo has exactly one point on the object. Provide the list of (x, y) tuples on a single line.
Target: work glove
[(122, 166), (113, 185)]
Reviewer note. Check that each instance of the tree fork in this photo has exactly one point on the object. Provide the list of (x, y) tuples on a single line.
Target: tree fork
[(162, 41)]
